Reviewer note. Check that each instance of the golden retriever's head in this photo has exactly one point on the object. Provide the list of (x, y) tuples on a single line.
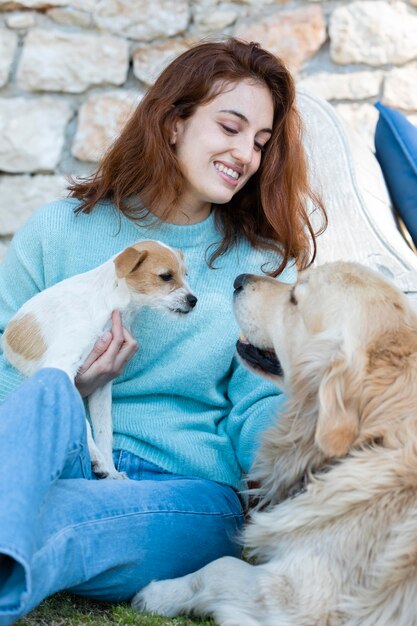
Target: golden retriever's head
[(339, 338)]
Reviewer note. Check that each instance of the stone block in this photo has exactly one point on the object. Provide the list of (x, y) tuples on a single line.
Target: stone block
[(21, 195), (71, 62), (100, 120), (400, 87), (8, 46), (294, 36), (148, 62), (349, 86), (32, 133), (373, 32), (143, 20)]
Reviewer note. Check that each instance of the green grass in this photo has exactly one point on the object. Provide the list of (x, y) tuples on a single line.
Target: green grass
[(66, 610)]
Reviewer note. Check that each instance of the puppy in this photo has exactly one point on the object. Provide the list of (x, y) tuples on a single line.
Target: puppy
[(59, 326), (334, 535)]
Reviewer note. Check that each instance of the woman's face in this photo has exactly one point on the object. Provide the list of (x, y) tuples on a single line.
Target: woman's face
[(220, 146)]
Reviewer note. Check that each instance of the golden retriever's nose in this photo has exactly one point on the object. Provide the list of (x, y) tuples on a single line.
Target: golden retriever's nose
[(240, 282)]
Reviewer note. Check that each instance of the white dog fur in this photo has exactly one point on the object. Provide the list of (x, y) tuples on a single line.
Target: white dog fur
[(59, 326), (334, 532)]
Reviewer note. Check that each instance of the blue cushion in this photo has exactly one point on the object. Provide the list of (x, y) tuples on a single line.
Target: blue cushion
[(396, 151)]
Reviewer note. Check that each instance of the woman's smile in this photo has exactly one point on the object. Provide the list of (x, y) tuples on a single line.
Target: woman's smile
[(229, 172)]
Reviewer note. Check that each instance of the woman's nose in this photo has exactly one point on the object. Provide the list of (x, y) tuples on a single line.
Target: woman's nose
[(243, 150)]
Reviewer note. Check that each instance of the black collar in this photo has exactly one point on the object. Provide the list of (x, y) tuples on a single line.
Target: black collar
[(301, 485)]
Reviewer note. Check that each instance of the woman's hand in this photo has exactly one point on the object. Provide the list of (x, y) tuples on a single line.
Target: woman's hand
[(107, 359)]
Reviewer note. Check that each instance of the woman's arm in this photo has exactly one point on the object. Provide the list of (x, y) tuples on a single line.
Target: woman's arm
[(21, 277)]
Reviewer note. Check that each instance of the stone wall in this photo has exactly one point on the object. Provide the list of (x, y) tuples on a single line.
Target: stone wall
[(71, 71)]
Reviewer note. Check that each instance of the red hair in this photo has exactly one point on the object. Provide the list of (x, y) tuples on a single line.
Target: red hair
[(140, 171)]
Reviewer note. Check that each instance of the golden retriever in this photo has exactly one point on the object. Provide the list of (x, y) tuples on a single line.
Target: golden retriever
[(334, 534)]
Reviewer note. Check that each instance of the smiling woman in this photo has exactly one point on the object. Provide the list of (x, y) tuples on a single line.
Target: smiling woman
[(210, 162), (249, 95)]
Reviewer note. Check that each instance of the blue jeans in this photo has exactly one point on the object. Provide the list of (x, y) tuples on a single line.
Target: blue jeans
[(62, 529)]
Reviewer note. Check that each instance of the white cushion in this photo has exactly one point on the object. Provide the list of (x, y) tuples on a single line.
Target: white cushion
[(347, 174)]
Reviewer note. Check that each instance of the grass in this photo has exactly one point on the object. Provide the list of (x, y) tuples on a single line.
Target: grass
[(66, 610)]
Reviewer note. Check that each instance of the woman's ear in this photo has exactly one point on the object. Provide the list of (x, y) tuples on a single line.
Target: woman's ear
[(173, 133), (177, 127)]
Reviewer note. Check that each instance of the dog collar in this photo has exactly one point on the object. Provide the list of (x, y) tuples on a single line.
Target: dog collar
[(300, 487)]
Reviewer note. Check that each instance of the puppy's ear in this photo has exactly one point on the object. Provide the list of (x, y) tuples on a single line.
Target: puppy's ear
[(128, 261), (338, 418)]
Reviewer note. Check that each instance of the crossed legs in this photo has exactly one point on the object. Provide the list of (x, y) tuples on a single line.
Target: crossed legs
[(62, 529)]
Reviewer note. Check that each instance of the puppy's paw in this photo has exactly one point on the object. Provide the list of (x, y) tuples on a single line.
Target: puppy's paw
[(99, 470), (115, 475), (108, 473), (159, 598)]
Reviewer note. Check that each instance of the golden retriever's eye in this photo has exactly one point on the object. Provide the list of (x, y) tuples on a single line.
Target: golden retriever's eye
[(166, 277), (293, 299)]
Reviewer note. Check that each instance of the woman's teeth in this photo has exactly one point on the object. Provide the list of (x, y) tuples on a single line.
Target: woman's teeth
[(227, 170)]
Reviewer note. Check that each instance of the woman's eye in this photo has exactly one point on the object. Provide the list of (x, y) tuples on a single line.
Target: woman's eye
[(229, 130), (166, 277), (259, 147)]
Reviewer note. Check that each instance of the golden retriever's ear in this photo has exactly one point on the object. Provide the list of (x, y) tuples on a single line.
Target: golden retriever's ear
[(338, 419), (129, 260)]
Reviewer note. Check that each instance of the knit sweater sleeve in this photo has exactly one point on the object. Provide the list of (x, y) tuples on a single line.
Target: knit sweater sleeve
[(21, 277), (256, 403)]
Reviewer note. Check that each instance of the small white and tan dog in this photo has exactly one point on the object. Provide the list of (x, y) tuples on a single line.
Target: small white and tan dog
[(59, 326)]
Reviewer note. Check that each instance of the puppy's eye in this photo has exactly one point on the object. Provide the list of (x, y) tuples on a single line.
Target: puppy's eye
[(166, 277), (293, 299)]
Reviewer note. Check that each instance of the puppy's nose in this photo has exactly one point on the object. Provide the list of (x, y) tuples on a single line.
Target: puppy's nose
[(192, 300), (240, 282)]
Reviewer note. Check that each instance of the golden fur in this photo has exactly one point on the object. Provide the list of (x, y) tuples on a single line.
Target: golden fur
[(342, 550)]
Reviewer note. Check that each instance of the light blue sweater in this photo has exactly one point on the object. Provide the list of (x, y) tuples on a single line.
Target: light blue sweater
[(184, 402)]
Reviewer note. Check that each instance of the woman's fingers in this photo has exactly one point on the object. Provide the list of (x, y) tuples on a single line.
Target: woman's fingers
[(99, 348), (117, 340), (127, 349), (121, 348), (108, 358)]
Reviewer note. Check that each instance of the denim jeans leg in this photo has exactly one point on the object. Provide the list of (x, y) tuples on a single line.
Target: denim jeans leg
[(107, 539), (99, 538), (42, 438)]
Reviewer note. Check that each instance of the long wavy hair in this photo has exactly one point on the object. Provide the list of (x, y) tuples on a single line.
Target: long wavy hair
[(140, 172)]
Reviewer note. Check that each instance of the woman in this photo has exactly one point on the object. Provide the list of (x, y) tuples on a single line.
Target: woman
[(211, 162)]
